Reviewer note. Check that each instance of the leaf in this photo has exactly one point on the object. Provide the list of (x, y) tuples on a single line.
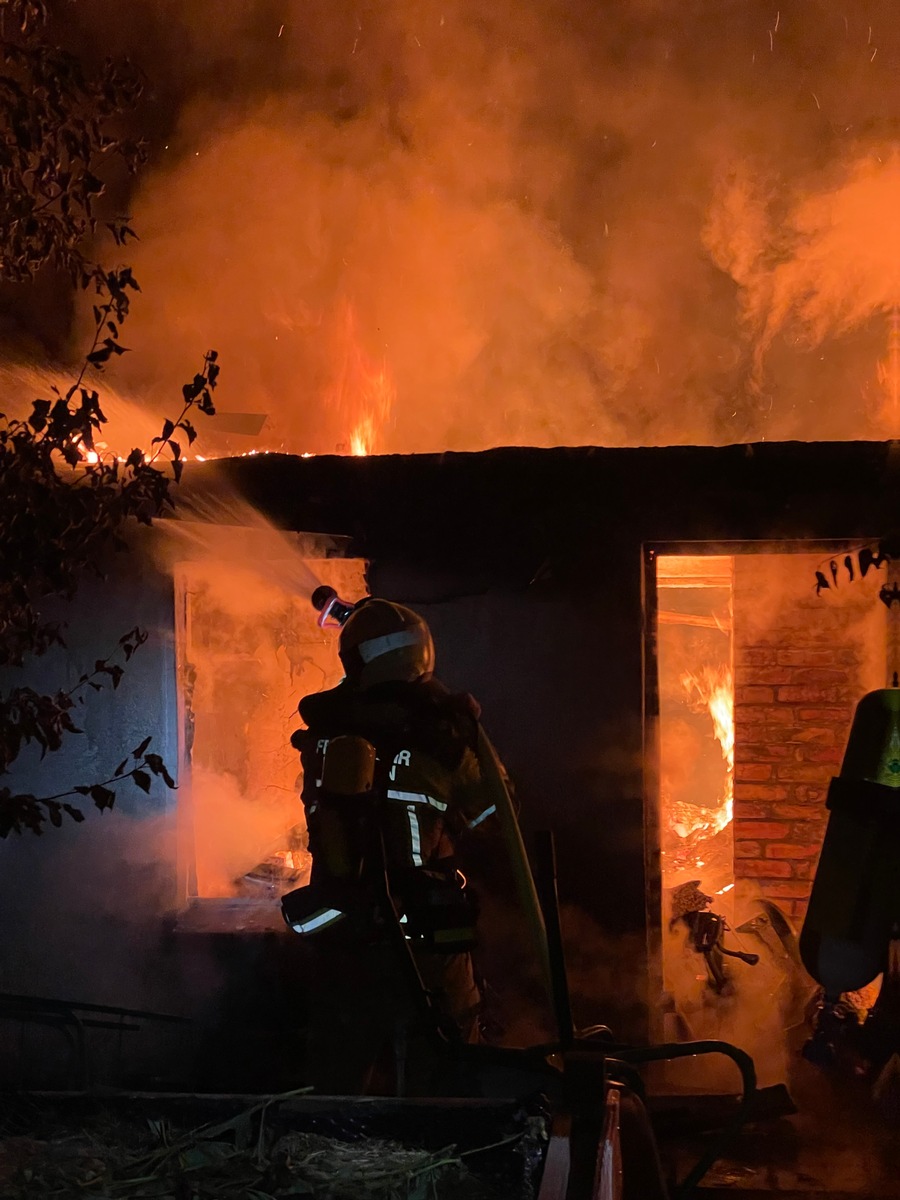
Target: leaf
[(75, 813), (141, 750), (142, 779), (243, 1132), (206, 1154), (102, 796), (158, 1128), (121, 767), (158, 767)]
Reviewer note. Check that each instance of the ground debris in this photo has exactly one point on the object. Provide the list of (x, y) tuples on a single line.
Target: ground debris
[(310, 1164), (250, 1156)]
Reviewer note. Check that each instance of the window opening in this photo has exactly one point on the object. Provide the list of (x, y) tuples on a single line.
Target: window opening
[(249, 649)]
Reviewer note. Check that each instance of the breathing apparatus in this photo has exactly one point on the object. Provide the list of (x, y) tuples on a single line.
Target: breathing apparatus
[(353, 896), (348, 776)]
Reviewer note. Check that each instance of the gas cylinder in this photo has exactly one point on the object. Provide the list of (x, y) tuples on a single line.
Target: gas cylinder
[(855, 901)]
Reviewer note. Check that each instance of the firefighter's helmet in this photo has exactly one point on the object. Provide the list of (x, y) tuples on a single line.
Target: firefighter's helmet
[(384, 641)]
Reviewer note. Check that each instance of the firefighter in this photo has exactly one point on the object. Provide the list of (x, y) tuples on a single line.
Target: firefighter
[(431, 788)]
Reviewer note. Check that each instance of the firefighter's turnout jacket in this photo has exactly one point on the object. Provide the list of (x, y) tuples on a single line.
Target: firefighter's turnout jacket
[(427, 772)]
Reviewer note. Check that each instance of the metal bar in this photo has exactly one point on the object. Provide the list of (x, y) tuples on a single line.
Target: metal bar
[(72, 1030), (651, 823), (64, 1018), (548, 896), (41, 1002), (557, 1163), (744, 1063)]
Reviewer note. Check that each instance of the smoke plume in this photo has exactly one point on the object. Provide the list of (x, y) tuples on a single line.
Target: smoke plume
[(539, 223)]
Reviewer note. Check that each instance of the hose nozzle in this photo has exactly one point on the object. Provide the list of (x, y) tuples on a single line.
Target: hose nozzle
[(330, 607)]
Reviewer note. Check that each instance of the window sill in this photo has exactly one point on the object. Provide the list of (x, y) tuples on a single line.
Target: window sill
[(223, 914)]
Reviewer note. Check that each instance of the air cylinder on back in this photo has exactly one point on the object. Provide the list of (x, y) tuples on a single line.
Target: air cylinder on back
[(855, 901)]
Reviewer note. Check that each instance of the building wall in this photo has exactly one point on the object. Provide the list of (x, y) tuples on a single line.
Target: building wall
[(802, 661), (528, 564), (89, 910), (564, 713)]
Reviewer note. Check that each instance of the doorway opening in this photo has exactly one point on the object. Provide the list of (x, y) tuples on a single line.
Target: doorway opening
[(755, 674)]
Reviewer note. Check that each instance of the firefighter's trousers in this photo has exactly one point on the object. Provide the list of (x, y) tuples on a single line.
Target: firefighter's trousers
[(367, 1032)]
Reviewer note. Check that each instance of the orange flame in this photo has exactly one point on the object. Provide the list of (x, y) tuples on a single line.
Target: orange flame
[(377, 400), (889, 373), (359, 396), (362, 392), (712, 689)]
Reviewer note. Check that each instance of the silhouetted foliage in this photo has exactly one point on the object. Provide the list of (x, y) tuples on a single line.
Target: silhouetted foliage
[(63, 505)]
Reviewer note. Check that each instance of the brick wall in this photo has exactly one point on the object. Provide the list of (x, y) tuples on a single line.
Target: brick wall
[(801, 664)]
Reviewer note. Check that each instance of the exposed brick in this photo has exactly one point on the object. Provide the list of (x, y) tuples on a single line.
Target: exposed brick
[(826, 716), (755, 656), (795, 909), (809, 831), (803, 772), (753, 695), (760, 811), (754, 772), (766, 675), (770, 718), (804, 868), (760, 791), (760, 752), (825, 754), (795, 889), (806, 850), (819, 675), (812, 694), (803, 635), (764, 868), (748, 850), (843, 656), (765, 830), (796, 812), (811, 795), (814, 733)]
